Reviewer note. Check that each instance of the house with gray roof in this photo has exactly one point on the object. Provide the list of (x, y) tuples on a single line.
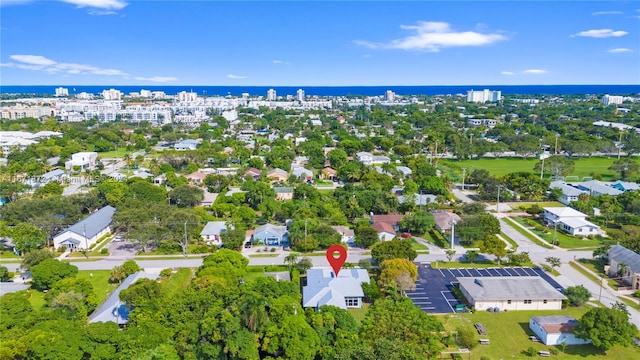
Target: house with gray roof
[(569, 193), (302, 173), (272, 235), (625, 186), (627, 262), (212, 231), (53, 175), (570, 221), (83, 234), (597, 188), (113, 309), (325, 288), (511, 293)]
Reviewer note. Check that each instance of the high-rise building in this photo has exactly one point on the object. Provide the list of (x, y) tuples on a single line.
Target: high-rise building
[(610, 100), (62, 91), (187, 96), (389, 96), (300, 95), (271, 95), (111, 94), (484, 96), (145, 93)]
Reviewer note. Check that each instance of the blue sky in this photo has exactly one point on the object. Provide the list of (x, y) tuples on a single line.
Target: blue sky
[(318, 43)]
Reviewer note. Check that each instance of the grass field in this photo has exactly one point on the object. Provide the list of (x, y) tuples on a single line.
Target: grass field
[(502, 166), (100, 281), (526, 234), (359, 314), (178, 281), (509, 334)]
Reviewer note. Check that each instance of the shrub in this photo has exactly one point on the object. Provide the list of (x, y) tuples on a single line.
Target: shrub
[(467, 337), (104, 251), (531, 351), (273, 249), (166, 273)]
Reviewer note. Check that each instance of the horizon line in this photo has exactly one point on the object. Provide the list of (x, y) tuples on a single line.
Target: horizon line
[(325, 85)]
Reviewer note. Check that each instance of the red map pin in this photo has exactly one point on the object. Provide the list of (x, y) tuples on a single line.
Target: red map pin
[(336, 262)]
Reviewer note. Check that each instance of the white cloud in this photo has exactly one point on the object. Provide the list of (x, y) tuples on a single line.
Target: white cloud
[(601, 33), (41, 63), (281, 62), (509, 73), (32, 59), (101, 12), (606, 13), (535, 71), (232, 76), (158, 79), (100, 4), (619, 50), (432, 36)]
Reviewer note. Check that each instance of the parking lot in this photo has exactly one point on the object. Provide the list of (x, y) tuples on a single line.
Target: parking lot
[(433, 288)]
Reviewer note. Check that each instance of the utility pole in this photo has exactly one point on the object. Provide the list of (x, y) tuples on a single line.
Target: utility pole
[(471, 138), (464, 171), (498, 202), (619, 145), (86, 241), (556, 148), (186, 239), (453, 232), (305, 233), (435, 155)]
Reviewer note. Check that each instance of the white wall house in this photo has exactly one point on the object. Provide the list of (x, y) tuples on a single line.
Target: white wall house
[(325, 288), (556, 329), (571, 221), (511, 293), (347, 236), (83, 234), (618, 255), (212, 231), (82, 160)]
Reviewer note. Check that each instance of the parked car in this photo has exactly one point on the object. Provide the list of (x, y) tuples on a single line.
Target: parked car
[(405, 235), (118, 238)]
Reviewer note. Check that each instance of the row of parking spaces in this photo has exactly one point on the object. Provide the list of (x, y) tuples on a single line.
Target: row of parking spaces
[(488, 272), (420, 299)]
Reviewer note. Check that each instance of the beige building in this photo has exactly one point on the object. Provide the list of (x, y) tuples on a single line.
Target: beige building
[(511, 293)]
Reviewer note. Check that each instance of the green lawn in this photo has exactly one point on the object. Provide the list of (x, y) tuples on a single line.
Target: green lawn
[(9, 255), (112, 154), (563, 240), (526, 234), (36, 298), (514, 244), (502, 166), (178, 281), (509, 334), (359, 314), (418, 246), (595, 266), (100, 281)]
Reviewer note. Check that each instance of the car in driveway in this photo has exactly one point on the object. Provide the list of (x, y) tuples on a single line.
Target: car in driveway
[(118, 238)]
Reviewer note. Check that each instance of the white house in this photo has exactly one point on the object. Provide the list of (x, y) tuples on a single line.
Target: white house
[(343, 291), (83, 160), (618, 255), (511, 293), (370, 159), (569, 193), (556, 329), (212, 231), (347, 236), (83, 234), (386, 232), (571, 221)]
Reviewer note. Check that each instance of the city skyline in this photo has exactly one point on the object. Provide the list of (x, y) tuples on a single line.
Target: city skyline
[(318, 43)]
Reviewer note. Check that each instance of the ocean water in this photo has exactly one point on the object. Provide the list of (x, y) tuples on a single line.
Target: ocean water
[(337, 90)]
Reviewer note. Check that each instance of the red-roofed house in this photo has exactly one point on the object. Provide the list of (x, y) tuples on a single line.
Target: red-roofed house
[(385, 231)]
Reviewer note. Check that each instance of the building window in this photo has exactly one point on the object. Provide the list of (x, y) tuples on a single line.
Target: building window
[(527, 301), (544, 301), (351, 301), (508, 301)]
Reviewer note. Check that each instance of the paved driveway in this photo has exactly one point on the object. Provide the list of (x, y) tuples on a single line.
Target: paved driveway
[(433, 288)]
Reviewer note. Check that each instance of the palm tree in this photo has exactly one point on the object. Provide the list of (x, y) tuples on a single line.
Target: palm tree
[(253, 312), (291, 260)]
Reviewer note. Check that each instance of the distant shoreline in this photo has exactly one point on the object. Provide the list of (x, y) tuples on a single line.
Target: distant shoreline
[(429, 90)]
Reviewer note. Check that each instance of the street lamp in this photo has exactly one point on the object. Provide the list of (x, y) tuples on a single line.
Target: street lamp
[(555, 232), (542, 157), (498, 202)]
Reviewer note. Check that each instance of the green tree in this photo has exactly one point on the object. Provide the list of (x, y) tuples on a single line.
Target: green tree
[(606, 328), (394, 249), (420, 222), (51, 188), (35, 257), (366, 236), (398, 273), (4, 273), (26, 237), (557, 166), (50, 271), (577, 295), (553, 261), (234, 238), (467, 337), (494, 246), (186, 196)]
